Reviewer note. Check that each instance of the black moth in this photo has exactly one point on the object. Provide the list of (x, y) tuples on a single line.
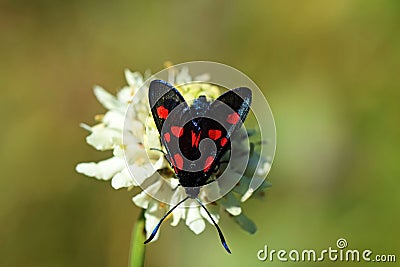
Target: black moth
[(187, 126)]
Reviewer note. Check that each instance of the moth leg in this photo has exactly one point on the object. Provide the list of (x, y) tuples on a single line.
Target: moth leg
[(157, 149)]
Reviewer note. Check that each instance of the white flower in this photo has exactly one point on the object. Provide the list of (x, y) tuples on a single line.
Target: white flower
[(107, 135)]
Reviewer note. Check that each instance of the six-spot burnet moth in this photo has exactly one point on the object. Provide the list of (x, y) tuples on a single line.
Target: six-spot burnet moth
[(182, 128)]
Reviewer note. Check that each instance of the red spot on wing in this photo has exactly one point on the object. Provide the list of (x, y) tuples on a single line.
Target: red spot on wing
[(224, 141), (233, 118), (195, 139), (177, 131), (208, 163), (214, 134), (162, 112), (167, 137), (178, 161)]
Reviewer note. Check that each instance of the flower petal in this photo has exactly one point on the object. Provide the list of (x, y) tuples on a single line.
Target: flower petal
[(183, 76), (179, 212), (103, 138), (114, 119), (125, 95), (122, 179), (134, 79), (119, 151), (247, 194), (194, 219), (86, 127), (143, 198), (106, 99), (141, 172), (103, 170), (177, 215), (205, 77), (134, 130), (231, 204)]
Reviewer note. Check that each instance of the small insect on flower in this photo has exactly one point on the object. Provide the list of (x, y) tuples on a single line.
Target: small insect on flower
[(196, 137)]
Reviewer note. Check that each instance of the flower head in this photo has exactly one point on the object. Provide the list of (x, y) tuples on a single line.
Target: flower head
[(136, 152)]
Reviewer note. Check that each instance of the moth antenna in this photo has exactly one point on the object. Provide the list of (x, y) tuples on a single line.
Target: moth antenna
[(221, 236), (162, 219)]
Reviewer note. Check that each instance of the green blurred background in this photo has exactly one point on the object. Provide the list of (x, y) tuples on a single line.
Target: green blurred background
[(329, 69)]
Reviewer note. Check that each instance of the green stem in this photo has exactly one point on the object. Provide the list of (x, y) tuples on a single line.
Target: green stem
[(138, 249)]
